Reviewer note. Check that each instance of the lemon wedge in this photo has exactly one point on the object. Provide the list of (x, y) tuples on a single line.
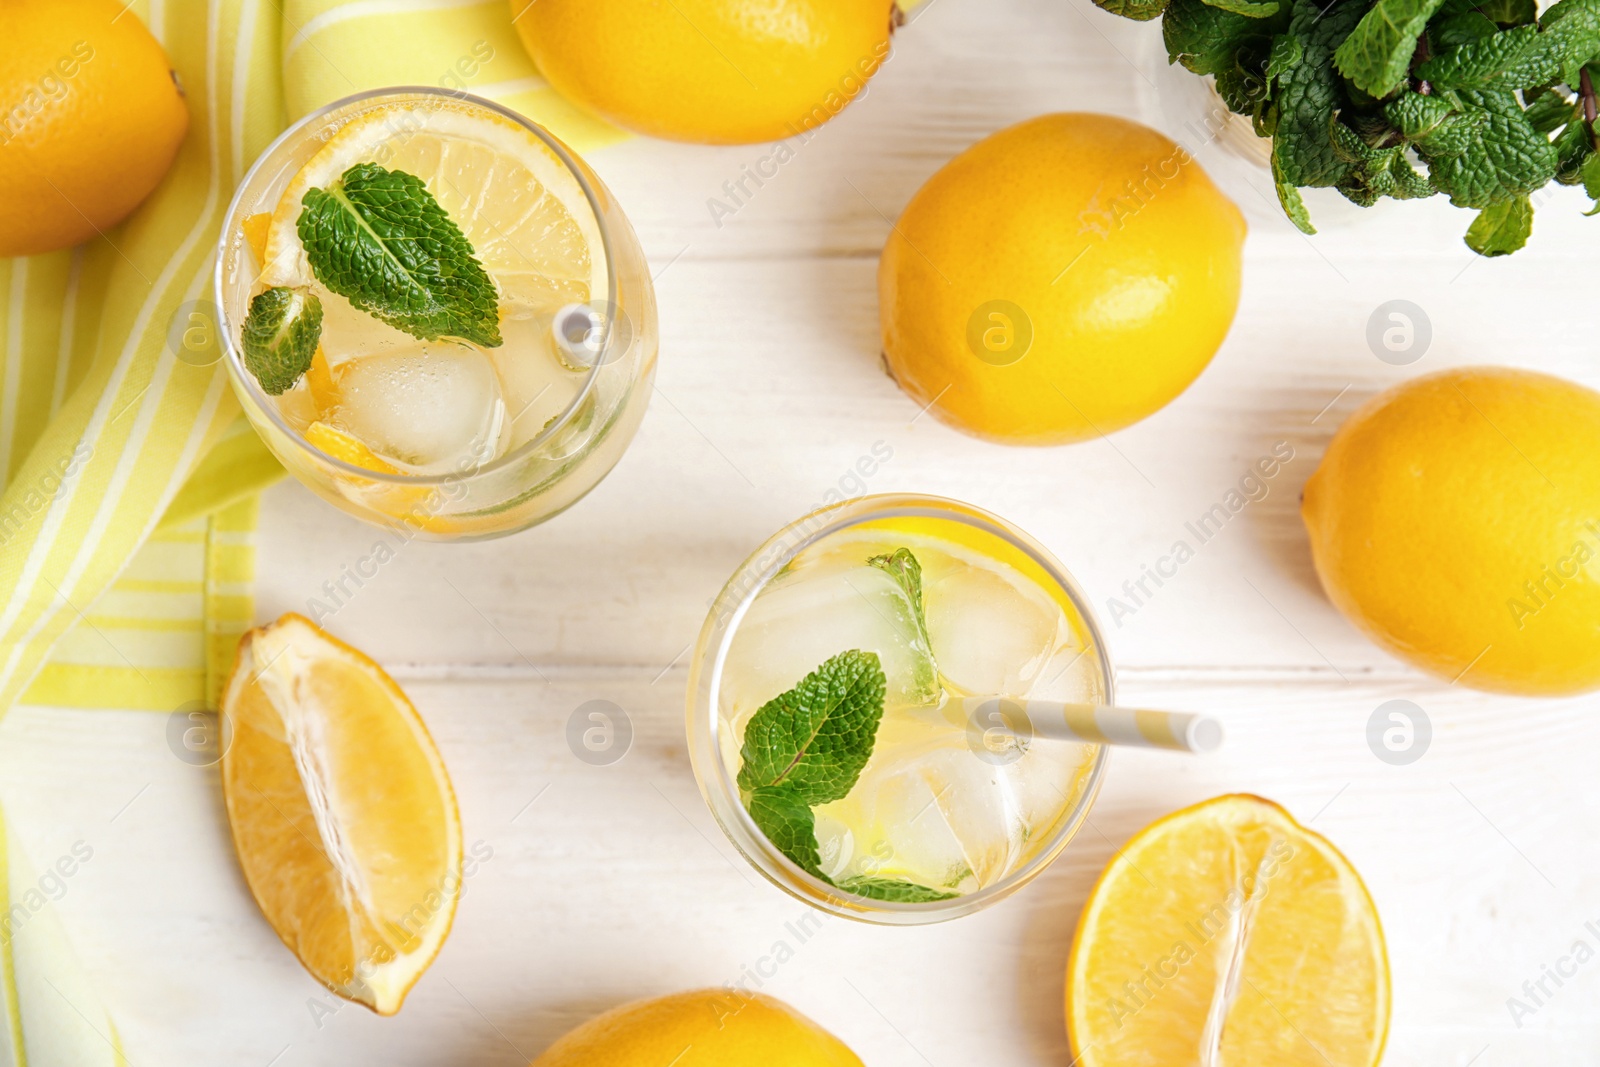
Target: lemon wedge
[(1228, 933), (341, 810)]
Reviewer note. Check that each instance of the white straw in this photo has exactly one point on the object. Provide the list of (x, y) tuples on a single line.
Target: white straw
[(1094, 724)]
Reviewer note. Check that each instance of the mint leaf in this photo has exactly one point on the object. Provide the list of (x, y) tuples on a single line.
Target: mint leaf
[(893, 889), (816, 738), (1573, 145), (1572, 28), (1590, 173), (1505, 13), (1516, 59), (1377, 54), (1210, 40), (1504, 156), (1456, 30), (379, 239), (1461, 133), (1138, 10), (1309, 94), (1253, 9), (1242, 86), (280, 337), (1549, 110), (1501, 228), (1416, 116), (787, 821), (1293, 204)]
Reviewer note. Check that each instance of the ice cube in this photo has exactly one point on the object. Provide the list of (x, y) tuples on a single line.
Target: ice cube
[(992, 629), (433, 407), (820, 607), (1071, 674)]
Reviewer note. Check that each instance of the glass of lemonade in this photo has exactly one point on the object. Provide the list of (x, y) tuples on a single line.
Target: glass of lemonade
[(435, 314), (835, 708)]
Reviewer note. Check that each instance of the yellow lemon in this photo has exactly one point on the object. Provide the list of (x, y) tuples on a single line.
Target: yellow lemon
[(94, 116), (1456, 520), (1228, 933), (717, 71), (341, 811), (703, 1028), (1059, 280)]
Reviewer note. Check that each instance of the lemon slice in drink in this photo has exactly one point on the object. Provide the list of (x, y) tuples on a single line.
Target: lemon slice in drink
[(341, 811), (1227, 933), (527, 217)]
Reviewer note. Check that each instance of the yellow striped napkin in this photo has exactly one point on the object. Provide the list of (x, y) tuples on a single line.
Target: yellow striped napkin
[(119, 458), (102, 425), (127, 479)]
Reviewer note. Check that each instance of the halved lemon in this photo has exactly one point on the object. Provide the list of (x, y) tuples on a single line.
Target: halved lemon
[(527, 217), (1227, 933), (341, 810)]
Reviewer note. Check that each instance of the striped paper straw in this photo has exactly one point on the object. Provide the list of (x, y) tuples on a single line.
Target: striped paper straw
[(1095, 724)]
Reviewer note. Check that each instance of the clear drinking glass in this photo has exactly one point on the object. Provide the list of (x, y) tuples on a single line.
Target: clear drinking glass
[(598, 354), (950, 802)]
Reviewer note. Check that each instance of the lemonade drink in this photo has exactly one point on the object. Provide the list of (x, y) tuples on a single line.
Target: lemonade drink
[(435, 314), (827, 715)]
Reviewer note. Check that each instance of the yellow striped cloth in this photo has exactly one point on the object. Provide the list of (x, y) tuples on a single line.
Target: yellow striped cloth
[(103, 428), (108, 441), (127, 478)]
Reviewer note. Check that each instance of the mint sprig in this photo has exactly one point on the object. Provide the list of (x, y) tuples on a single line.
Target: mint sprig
[(279, 337), (807, 747), (379, 239), (1493, 99), (814, 739)]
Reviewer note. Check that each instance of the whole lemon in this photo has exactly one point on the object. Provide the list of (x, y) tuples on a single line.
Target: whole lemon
[(703, 1028), (95, 117), (1456, 520), (717, 71), (1059, 280)]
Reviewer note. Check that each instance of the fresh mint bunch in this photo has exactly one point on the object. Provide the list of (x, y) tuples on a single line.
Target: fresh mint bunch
[(379, 239), (1494, 100), (279, 337), (807, 747)]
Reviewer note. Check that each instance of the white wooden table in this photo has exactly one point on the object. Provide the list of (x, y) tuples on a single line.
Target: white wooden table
[(612, 882)]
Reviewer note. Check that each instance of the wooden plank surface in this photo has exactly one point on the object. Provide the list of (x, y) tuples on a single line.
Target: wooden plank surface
[(612, 882)]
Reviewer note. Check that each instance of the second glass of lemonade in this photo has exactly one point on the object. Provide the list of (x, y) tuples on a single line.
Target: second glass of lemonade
[(435, 314), (835, 720)]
